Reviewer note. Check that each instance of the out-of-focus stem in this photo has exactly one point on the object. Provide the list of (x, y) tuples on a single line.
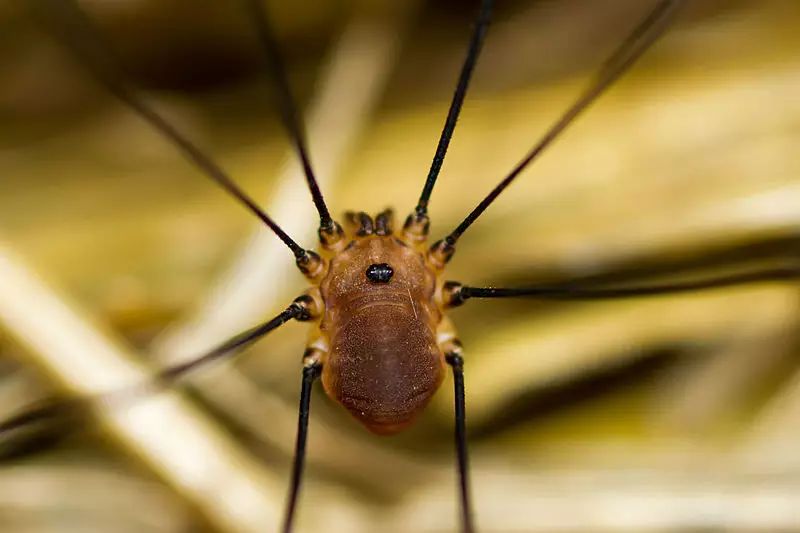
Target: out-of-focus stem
[(176, 440)]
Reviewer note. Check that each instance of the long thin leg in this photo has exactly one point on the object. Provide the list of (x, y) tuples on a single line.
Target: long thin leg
[(456, 294), (286, 105), (456, 362), (311, 371), (474, 50), (79, 35), (642, 37), (298, 310)]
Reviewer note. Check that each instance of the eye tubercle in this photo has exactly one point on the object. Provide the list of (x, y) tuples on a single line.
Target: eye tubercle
[(379, 272)]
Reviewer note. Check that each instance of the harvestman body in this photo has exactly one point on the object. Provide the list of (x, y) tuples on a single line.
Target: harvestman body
[(380, 339)]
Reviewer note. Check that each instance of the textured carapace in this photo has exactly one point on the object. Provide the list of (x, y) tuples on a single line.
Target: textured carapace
[(380, 331)]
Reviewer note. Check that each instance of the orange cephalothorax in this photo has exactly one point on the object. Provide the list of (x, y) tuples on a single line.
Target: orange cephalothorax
[(380, 323)]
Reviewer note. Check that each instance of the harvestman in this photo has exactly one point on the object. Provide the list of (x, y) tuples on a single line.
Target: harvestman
[(380, 340)]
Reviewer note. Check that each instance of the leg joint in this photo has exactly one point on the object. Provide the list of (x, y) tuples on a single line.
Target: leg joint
[(455, 360)]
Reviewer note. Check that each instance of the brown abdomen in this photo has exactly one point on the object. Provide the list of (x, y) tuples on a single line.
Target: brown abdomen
[(384, 365)]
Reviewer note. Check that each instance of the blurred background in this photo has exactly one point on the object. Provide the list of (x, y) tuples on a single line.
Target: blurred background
[(677, 413)]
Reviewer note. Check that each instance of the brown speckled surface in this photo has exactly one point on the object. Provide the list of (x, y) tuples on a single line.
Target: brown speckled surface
[(384, 364)]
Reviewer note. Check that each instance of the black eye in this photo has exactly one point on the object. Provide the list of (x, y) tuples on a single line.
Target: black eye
[(379, 273)]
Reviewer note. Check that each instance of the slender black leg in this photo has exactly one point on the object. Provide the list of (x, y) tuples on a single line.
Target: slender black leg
[(456, 294), (74, 29), (51, 412), (311, 372), (456, 362)]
